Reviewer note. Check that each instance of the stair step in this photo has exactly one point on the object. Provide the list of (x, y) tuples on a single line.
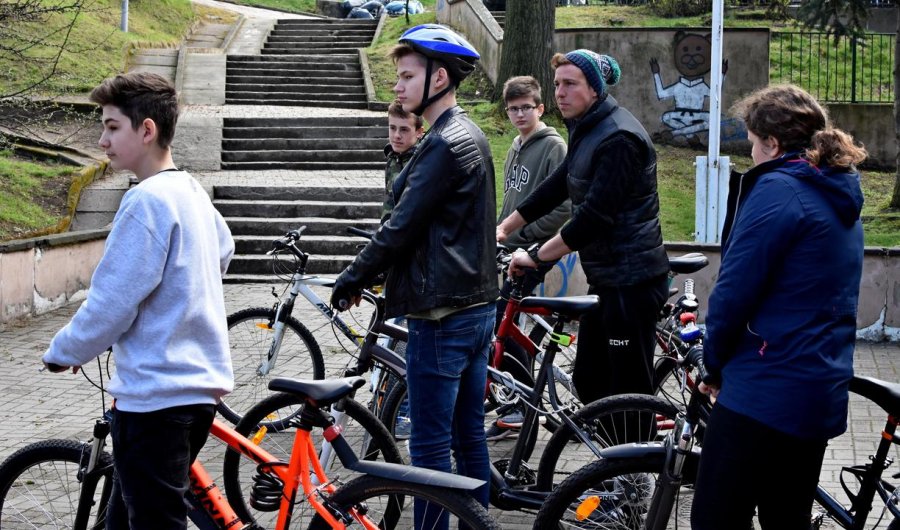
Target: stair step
[(325, 22), (297, 103), (300, 90), (360, 40), (315, 226), (322, 155), (329, 32), (275, 209), (307, 80), (294, 73), (300, 144), (310, 193), (299, 58), (282, 95), (319, 50), (326, 245), (296, 133), (303, 166), (323, 121), (317, 264)]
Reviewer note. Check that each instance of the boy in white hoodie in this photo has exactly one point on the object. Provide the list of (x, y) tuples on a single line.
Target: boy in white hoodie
[(156, 297)]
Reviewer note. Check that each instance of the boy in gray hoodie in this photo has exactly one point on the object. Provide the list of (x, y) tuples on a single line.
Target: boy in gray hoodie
[(533, 155)]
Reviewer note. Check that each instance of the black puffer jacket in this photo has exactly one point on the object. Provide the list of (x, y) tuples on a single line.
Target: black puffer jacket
[(439, 242), (610, 175)]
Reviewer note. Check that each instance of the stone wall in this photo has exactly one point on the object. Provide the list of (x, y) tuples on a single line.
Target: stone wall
[(476, 23), (42, 274), (873, 125)]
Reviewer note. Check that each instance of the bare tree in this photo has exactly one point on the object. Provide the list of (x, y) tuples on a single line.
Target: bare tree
[(528, 43), (37, 33)]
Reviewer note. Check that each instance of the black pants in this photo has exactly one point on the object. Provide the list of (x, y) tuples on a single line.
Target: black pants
[(616, 342), (153, 453), (747, 465)]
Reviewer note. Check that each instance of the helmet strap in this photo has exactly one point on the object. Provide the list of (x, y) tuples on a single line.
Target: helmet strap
[(426, 101)]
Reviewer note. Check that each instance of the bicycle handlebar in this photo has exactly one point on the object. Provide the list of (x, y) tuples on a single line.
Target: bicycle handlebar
[(360, 232)]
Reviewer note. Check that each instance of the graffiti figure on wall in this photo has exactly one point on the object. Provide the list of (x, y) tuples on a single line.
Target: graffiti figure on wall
[(692, 53)]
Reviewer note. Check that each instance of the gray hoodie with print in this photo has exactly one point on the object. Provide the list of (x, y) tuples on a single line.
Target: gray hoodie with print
[(526, 166)]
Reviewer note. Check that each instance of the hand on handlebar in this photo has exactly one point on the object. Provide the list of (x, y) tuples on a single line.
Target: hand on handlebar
[(710, 390), (343, 295), (57, 368), (520, 261)]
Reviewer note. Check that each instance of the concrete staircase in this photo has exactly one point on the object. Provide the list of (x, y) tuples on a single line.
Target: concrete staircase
[(332, 143), (303, 63), (259, 215)]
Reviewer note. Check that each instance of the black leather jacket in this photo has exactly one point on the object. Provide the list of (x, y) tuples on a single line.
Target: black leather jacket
[(439, 242)]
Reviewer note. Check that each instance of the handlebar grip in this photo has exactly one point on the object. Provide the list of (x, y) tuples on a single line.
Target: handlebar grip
[(694, 358), (360, 232)]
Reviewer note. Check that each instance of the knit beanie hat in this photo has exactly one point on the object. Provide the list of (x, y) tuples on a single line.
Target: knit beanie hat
[(600, 71)]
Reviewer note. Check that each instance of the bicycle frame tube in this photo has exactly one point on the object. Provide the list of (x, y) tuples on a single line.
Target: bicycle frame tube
[(210, 498), (318, 303)]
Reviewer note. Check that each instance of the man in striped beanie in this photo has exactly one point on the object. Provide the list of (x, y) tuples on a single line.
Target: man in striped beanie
[(610, 175)]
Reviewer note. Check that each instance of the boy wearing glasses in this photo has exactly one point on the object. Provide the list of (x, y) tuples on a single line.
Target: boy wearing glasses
[(533, 155)]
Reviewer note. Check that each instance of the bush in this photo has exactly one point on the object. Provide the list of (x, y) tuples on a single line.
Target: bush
[(679, 8)]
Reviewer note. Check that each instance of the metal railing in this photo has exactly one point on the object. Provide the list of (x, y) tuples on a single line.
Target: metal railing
[(852, 71)]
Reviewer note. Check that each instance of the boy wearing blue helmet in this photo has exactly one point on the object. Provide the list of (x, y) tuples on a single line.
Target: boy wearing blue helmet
[(438, 246)]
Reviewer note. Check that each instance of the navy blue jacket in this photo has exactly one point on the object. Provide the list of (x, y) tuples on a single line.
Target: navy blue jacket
[(781, 324)]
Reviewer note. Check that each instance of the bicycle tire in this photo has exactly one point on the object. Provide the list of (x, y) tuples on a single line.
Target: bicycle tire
[(39, 486), (398, 394), (249, 339), (613, 420), (396, 509), (364, 432), (625, 486)]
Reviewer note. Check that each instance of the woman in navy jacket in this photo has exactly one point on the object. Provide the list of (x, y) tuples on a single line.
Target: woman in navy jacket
[(781, 323)]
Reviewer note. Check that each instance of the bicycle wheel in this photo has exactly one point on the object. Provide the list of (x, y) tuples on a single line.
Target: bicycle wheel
[(362, 430), (613, 420), (389, 504), (614, 494), (40, 486), (250, 336)]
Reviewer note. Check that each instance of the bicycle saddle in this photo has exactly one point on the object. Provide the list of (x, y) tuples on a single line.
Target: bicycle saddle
[(318, 393), (885, 395), (692, 262), (568, 306)]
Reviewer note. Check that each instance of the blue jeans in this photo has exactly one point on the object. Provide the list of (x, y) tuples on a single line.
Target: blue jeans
[(446, 375)]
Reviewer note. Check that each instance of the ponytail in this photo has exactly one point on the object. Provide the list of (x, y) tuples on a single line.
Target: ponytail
[(833, 147)]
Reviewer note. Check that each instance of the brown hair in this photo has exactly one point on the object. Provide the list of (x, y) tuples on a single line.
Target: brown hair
[(400, 51), (520, 87), (794, 118), (142, 95), (396, 109), (558, 60)]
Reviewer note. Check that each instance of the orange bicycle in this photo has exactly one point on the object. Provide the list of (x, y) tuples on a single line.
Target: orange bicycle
[(66, 484)]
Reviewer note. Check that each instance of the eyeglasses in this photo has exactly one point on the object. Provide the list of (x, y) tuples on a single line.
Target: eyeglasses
[(524, 109)]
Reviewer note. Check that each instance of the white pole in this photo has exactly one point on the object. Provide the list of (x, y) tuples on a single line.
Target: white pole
[(713, 170), (124, 24)]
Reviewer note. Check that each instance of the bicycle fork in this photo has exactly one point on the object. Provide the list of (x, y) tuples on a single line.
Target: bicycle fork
[(669, 481)]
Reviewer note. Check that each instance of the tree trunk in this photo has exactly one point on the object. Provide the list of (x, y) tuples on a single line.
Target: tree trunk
[(528, 44), (895, 197)]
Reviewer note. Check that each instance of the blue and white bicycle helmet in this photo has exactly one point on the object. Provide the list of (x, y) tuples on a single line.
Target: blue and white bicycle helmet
[(437, 42)]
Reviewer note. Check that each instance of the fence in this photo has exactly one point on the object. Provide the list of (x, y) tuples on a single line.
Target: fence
[(846, 71)]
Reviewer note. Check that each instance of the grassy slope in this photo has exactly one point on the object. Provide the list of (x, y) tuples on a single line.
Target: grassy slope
[(24, 186), (98, 47)]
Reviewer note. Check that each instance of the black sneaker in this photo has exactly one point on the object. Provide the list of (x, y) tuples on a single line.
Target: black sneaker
[(496, 432)]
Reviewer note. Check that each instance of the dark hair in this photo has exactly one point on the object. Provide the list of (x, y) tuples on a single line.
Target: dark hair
[(142, 95), (396, 109), (520, 87), (794, 118)]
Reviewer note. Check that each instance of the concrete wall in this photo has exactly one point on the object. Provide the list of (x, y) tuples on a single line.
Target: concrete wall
[(200, 79), (473, 20), (42, 274), (162, 61), (747, 52), (879, 294), (871, 124)]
